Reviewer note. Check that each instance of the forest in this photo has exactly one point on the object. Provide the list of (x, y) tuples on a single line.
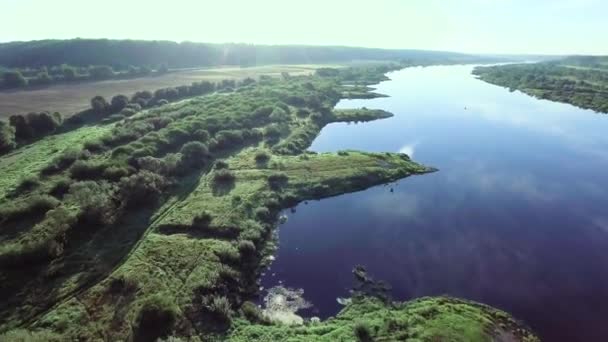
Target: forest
[(580, 81)]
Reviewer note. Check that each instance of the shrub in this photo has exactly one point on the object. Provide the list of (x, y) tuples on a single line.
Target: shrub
[(99, 104), (253, 313), (263, 214), (118, 103), (262, 157), (363, 333), (277, 180), (202, 220), (220, 307), (201, 135), (63, 161), (162, 102), (141, 188), (223, 176), (302, 113), (156, 318), (247, 249), (115, 173), (94, 145), (82, 170), (7, 137), (194, 153), (35, 205), (95, 199), (60, 187), (14, 79), (22, 335), (221, 164)]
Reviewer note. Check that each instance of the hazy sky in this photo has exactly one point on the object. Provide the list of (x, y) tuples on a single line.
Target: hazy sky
[(492, 26)]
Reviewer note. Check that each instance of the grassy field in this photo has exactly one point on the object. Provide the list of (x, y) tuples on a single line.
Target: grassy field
[(159, 224), (71, 98)]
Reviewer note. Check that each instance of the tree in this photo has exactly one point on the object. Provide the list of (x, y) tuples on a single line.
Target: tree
[(99, 104), (44, 78), (101, 72), (14, 79), (69, 73), (194, 153), (7, 137), (119, 102)]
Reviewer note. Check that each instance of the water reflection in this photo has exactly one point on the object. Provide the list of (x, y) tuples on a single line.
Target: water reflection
[(516, 216)]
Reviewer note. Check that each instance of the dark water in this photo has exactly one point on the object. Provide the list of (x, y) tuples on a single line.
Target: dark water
[(517, 216)]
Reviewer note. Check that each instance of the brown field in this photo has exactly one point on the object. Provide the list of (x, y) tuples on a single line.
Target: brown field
[(71, 98)]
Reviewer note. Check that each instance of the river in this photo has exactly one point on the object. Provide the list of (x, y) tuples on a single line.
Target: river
[(516, 217)]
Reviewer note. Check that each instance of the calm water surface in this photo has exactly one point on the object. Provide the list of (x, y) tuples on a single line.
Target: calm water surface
[(517, 216)]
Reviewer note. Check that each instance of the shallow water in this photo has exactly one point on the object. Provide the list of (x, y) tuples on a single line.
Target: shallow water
[(517, 216)]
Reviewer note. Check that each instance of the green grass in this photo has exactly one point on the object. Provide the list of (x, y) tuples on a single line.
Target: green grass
[(425, 319)]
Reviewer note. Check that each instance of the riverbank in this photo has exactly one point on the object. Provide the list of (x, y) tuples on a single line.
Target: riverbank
[(172, 214)]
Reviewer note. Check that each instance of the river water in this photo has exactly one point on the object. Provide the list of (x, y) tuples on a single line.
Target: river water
[(516, 217)]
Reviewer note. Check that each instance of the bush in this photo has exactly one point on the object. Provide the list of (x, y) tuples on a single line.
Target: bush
[(115, 173), (95, 199), (162, 102), (22, 335), (221, 164), (202, 220), (63, 161), (303, 113), (247, 249), (194, 154), (263, 214), (157, 317), (119, 102), (262, 157), (363, 333), (99, 105), (82, 170), (201, 135), (94, 145), (277, 180), (223, 176), (35, 125), (28, 183), (14, 79), (141, 188), (60, 187), (35, 205), (253, 313), (220, 307), (7, 137)]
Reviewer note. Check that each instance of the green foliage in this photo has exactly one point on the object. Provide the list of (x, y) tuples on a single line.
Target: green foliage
[(7, 137), (95, 200), (118, 103), (194, 153), (22, 335), (99, 105), (83, 169), (142, 188), (362, 332), (13, 79), (156, 318), (583, 86), (35, 125), (33, 206), (220, 307), (223, 176)]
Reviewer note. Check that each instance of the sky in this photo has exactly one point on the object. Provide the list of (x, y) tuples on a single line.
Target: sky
[(473, 26)]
